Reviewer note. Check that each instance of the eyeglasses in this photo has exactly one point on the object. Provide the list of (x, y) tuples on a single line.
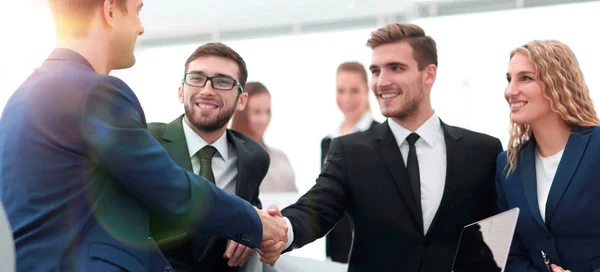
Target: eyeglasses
[(218, 83)]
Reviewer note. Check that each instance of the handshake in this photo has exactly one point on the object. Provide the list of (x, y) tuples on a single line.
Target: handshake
[(274, 239)]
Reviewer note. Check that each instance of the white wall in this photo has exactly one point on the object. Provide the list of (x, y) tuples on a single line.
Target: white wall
[(300, 71)]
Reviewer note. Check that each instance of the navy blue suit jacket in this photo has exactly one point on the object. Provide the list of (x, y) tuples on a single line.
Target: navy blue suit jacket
[(570, 235), (80, 174)]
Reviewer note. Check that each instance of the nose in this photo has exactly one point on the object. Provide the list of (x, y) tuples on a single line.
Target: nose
[(382, 80), (511, 90), (141, 30)]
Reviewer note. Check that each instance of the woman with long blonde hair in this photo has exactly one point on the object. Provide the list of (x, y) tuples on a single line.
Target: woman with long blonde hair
[(551, 170)]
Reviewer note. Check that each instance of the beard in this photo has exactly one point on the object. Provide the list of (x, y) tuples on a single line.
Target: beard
[(410, 106), (209, 124)]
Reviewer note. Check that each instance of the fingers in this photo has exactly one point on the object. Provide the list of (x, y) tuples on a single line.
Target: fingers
[(274, 211), (237, 254), (271, 254), (556, 268), (231, 246), (274, 227)]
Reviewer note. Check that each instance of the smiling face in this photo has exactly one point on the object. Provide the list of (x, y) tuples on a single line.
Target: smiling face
[(524, 92), (259, 113), (206, 108), (352, 94), (399, 86)]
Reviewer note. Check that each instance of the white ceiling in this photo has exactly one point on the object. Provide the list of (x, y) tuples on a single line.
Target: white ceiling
[(172, 18), (173, 21)]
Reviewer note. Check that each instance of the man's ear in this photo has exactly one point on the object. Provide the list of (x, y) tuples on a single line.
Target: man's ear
[(242, 101), (429, 74), (180, 93), (108, 11)]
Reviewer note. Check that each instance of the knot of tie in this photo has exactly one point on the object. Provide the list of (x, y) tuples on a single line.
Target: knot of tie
[(207, 152), (412, 138)]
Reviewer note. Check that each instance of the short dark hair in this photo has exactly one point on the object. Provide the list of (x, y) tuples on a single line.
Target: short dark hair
[(224, 51), (424, 47), (72, 17)]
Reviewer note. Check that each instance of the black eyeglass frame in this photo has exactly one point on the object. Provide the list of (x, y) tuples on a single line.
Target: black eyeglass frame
[(208, 78)]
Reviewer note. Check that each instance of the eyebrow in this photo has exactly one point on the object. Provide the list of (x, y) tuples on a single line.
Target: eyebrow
[(216, 75), (522, 72), (395, 63)]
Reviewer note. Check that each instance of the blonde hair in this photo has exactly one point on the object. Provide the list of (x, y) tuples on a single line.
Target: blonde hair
[(562, 81)]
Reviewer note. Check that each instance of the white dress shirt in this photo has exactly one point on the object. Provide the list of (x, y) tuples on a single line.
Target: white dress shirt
[(431, 153), (224, 162), (545, 169)]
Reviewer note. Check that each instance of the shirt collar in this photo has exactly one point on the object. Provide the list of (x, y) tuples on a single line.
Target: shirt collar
[(364, 123), (428, 131), (195, 142)]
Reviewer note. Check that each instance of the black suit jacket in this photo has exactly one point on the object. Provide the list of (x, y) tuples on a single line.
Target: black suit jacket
[(253, 163), (364, 174), (339, 240)]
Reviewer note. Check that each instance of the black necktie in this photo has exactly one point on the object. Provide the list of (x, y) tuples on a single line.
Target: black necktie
[(206, 154), (413, 167)]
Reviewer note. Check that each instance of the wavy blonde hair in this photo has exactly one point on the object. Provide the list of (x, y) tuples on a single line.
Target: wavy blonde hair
[(562, 82)]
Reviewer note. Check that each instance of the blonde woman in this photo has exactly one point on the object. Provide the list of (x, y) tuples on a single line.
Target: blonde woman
[(551, 170)]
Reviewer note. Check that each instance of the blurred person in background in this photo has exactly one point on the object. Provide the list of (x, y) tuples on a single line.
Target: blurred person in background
[(253, 122), (352, 97), (550, 170)]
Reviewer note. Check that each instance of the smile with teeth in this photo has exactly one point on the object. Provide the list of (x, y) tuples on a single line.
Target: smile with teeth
[(517, 104), (388, 95), (206, 106)]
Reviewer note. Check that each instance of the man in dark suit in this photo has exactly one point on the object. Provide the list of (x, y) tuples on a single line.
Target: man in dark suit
[(80, 173), (410, 184), (237, 166)]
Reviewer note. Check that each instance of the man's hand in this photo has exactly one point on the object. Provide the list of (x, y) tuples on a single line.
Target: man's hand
[(274, 227), (237, 254), (556, 268), (270, 250)]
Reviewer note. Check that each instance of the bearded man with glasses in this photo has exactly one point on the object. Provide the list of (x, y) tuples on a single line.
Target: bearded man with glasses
[(211, 91)]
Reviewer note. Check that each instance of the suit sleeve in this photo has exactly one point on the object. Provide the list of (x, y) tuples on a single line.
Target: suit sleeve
[(118, 142), (518, 258), (317, 211)]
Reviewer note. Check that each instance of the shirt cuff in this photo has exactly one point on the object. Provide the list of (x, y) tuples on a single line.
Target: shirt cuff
[(290, 233)]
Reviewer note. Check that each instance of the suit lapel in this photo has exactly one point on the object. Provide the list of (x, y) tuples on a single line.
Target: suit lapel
[(569, 162), (528, 178), (455, 154), (389, 150), (176, 145), (244, 163)]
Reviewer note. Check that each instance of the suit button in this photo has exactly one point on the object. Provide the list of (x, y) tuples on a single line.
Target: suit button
[(548, 235), (244, 236), (167, 269)]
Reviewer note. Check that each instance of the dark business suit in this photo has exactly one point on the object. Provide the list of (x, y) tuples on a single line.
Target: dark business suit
[(570, 235), (193, 253), (339, 240), (80, 174), (364, 174)]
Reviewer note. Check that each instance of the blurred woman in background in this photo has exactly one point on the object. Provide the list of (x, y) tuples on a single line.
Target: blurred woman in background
[(352, 97), (253, 122)]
